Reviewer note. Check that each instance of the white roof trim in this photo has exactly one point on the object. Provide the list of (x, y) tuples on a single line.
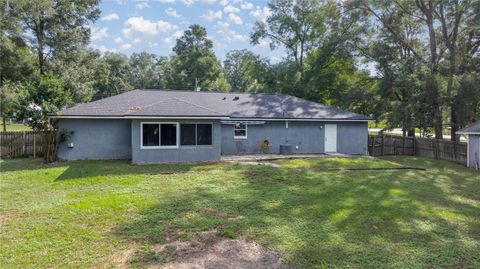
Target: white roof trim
[(131, 117), (467, 133), (298, 119), (213, 117)]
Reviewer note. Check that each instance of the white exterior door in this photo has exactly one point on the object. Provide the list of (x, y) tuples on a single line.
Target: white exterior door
[(330, 138)]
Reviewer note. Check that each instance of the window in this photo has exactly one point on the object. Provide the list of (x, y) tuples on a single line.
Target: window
[(187, 134), (195, 134), (155, 135), (204, 134), (150, 134), (240, 130), (168, 134)]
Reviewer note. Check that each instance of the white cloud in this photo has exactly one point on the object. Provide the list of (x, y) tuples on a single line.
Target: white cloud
[(223, 26), (103, 49), (235, 19), (126, 46), (110, 17), (168, 41), (142, 5), (167, 1), (118, 40), (136, 40), (208, 2), (172, 12), (99, 33), (231, 9), (187, 2), (211, 16), (246, 6), (146, 27), (223, 2), (236, 37), (178, 34), (261, 13)]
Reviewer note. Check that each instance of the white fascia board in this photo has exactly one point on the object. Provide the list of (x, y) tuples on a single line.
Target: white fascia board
[(468, 133), (134, 117), (296, 119)]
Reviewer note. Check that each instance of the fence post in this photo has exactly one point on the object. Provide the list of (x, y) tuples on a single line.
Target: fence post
[(24, 143), (34, 145), (414, 146), (383, 145)]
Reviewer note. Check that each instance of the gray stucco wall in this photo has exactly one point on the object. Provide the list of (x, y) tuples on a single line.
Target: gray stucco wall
[(180, 154), (474, 151), (305, 137), (352, 138), (95, 139)]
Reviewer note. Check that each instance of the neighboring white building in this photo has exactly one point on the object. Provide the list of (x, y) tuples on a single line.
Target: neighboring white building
[(472, 132)]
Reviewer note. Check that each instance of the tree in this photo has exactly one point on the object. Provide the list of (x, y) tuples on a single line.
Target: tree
[(11, 94), (45, 98), (291, 25), (148, 71), (81, 71), (194, 62), (117, 72), (246, 71), (55, 25)]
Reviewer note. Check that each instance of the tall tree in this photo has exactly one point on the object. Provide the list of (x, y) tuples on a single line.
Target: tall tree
[(148, 71), (246, 71), (194, 62), (291, 25), (52, 26), (117, 76), (81, 71)]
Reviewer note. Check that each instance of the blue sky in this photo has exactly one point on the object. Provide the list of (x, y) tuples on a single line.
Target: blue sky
[(128, 26)]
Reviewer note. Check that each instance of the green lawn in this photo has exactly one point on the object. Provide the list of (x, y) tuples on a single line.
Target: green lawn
[(90, 213), (15, 127)]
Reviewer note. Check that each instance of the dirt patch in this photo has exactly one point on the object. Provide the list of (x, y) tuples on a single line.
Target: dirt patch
[(208, 250), (7, 217)]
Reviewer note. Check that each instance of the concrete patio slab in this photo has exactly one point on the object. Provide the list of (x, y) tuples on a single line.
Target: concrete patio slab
[(266, 157)]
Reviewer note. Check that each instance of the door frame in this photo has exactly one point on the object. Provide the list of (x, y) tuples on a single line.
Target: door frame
[(333, 126)]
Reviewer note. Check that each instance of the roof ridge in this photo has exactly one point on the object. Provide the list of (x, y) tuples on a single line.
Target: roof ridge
[(219, 92), (209, 109)]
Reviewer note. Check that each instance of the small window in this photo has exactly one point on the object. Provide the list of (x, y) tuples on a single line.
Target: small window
[(195, 134), (240, 130), (150, 134), (187, 134), (204, 134), (168, 134)]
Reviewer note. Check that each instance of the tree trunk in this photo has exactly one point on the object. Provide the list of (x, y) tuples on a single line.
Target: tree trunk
[(411, 132), (454, 125), (4, 124), (39, 32)]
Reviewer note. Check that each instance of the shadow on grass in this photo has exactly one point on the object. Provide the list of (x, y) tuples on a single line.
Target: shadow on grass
[(344, 219)]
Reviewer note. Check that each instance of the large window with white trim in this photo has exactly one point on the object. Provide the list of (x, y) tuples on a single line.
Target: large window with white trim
[(195, 134), (240, 131), (159, 135)]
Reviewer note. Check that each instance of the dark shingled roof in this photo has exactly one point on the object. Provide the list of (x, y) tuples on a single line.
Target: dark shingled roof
[(165, 103), (472, 128)]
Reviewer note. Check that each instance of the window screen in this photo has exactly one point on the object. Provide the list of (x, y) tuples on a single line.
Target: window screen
[(204, 134), (187, 134), (240, 130), (150, 135), (168, 134)]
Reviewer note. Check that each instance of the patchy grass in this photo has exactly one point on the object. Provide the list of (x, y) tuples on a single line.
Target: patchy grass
[(111, 213), (13, 127)]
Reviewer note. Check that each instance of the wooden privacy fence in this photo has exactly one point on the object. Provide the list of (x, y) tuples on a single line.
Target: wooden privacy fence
[(21, 144), (382, 145)]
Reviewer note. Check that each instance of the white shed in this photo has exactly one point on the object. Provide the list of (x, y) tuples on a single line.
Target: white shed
[(472, 132)]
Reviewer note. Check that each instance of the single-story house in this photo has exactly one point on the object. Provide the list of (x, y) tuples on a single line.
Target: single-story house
[(472, 132), (156, 126)]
